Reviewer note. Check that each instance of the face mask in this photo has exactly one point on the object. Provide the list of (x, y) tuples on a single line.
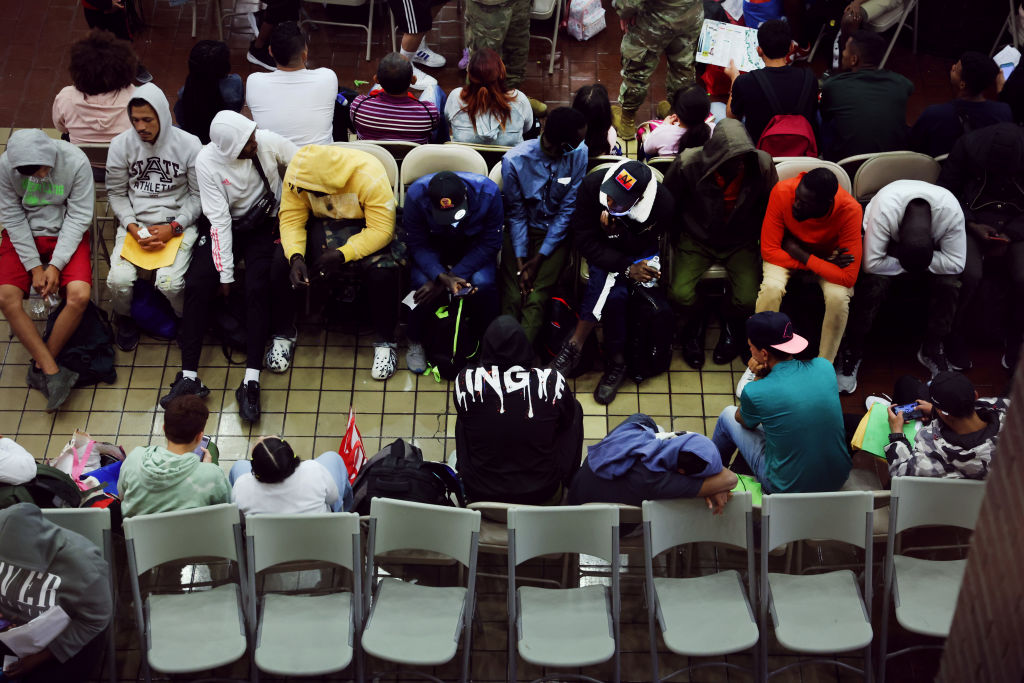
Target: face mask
[(568, 149)]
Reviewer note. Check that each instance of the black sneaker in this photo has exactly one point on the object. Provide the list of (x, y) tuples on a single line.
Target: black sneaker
[(248, 397), (567, 359), (260, 56), (58, 387), (957, 355), (36, 379), (932, 358), (127, 333), (142, 75), (184, 386), (611, 380), (847, 366)]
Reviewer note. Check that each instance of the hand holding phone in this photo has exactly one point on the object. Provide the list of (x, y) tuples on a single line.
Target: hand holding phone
[(999, 237), (910, 411), (200, 450)]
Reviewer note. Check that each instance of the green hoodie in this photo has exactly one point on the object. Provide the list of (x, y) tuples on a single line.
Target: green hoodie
[(155, 480)]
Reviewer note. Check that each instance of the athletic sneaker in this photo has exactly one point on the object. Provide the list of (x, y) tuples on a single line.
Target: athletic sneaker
[(248, 397), (385, 360), (279, 355), (260, 56), (423, 80), (142, 75), (846, 372), (876, 398), (933, 359), (427, 57), (58, 387), (127, 336), (567, 359), (184, 386), (36, 379), (416, 358)]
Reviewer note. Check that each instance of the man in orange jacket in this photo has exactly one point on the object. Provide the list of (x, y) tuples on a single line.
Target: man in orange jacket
[(812, 224)]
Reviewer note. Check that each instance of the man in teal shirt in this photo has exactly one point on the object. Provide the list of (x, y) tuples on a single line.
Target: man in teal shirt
[(789, 426)]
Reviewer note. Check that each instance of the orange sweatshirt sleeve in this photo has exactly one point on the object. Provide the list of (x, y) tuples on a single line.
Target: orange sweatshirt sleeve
[(850, 216), (774, 227)]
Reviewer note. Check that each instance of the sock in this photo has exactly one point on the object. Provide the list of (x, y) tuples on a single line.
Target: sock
[(190, 374), (251, 375), (408, 54)]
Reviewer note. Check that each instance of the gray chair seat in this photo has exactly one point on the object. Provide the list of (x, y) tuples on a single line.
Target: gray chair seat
[(414, 624), (820, 613), (195, 631), (926, 592), (726, 623), (304, 635), (565, 627)]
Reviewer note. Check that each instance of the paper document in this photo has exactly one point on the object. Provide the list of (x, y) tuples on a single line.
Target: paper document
[(409, 300), (720, 42), (32, 637), (734, 8)]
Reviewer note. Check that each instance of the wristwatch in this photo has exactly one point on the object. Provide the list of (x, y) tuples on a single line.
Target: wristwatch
[(177, 228)]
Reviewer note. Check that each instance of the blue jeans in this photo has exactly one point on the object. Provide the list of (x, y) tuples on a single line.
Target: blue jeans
[(484, 302), (330, 460), (613, 315), (730, 435)]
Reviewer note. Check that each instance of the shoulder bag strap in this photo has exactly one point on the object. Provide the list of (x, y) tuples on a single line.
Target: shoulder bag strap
[(263, 176)]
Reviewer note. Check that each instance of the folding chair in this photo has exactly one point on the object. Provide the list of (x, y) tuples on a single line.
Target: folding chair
[(1010, 26), (924, 592), (790, 167), (309, 634), (426, 159), (383, 155), (543, 10), (94, 524), (492, 154), (568, 627), (97, 154), (495, 175), (494, 540), (821, 613), (603, 161), (196, 630), (897, 18), (879, 170), (660, 163), (368, 26), (726, 621), (410, 623)]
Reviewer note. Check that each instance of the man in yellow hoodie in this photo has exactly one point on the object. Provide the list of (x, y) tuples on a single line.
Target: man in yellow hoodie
[(338, 213)]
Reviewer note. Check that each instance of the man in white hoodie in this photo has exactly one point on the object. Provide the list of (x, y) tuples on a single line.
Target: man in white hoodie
[(151, 183), (238, 169), (46, 203)]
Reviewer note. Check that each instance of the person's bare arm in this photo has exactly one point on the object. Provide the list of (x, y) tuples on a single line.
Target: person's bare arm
[(717, 490)]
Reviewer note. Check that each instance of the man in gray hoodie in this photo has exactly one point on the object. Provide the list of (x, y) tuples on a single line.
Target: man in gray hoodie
[(46, 203), (151, 182)]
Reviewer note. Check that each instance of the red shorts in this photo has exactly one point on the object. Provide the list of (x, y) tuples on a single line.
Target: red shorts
[(12, 272)]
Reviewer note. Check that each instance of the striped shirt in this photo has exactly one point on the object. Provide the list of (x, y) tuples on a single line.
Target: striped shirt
[(381, 116)]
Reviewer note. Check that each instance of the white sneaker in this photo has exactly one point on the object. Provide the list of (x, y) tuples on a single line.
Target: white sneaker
[(846, 373), (427, 57), (279, 355), (385, 360), (423, 80), (747, 378), (416, 358), (872, 400)]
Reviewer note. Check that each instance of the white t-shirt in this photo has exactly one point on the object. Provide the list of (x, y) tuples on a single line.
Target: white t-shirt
[(298, 105), (309, 489)]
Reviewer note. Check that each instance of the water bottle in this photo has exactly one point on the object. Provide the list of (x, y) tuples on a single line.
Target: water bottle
[(653, 262), (38, 307)]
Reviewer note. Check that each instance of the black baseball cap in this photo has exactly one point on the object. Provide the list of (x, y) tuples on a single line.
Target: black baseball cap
[(951, 392), (627, 183), (775, 330), (448, 197)]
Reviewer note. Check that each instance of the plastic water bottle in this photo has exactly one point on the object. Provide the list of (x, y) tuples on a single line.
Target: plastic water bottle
[(38, 307), (653, 262)]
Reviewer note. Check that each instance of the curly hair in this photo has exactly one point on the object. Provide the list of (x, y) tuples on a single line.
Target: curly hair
[(102, 63)]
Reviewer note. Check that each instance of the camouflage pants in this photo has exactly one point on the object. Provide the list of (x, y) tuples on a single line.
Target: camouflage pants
[(670, 30), (504, 28)]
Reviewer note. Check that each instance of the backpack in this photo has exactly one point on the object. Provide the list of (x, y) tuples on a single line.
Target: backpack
[(650, 325), (52, 488), (152, 311), (90, 351), (559, 321), (787, 135), (399, 471), (451, 339)]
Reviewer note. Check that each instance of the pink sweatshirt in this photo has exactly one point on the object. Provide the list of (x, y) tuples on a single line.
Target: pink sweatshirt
[(92, 118)]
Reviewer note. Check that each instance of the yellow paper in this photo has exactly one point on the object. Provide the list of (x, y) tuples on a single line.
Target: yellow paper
[(150, 260)]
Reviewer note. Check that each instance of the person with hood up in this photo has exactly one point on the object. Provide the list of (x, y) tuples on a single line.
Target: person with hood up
[(175, 477), (46, 567), (519, 430), (637, 462), (46, 204), (151, 183), (351, 235), (721, 193), (236, 171), (620, 217)]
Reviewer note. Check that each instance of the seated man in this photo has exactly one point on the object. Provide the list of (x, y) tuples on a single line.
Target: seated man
[(293, 101), (620, 217), (235, 172), (391, 112), (175, 477), (351, 234), (813, 225), (453, 228), (540, 179), (519, 430), (46, 203), (864, 109), (913, 229), (151, 183), (789, 426), (960, 434), (985, 171), (940, 125), (47, 567), (636, 462), (721, 193)]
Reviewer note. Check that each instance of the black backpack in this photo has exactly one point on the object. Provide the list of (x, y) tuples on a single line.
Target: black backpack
[(650, 326), (399, 471), (50, 488), (90, 351), (451, 338), (559, 321)]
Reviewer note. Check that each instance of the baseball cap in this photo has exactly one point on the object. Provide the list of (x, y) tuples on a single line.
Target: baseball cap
[(775, 330), (627, 183), (448, 201), (951, 392)]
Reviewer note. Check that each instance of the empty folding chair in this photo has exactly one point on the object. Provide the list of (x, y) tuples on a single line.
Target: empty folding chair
[(368, 26), (410, 623), (310, 634), (700, 616), (566, 627), (196, 630), (924, 592), (821, 613)]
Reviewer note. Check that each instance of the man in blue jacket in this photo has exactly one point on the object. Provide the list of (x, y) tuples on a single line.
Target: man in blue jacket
[(453, 231)]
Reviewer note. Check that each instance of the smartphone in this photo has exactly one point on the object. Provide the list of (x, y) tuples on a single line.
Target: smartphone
[(4, 624), (465, 290), (999, 238), (1007, 69), (202, 444), (911, 411)]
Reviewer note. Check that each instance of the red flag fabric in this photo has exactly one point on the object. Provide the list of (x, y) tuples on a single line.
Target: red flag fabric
[(351, 448)]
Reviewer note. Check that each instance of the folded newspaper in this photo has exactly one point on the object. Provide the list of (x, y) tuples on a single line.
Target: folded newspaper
[(721, 43), (32, 637)]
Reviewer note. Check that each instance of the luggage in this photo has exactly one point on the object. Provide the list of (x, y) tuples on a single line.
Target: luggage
[(650, 326)]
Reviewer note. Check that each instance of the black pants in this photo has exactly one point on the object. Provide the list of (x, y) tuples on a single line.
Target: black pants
[(268, 296), (115, 22), (278, 11), (908, 389), (979, 258)]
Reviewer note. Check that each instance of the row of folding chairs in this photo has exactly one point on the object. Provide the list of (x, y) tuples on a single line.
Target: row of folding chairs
[(316, 633)]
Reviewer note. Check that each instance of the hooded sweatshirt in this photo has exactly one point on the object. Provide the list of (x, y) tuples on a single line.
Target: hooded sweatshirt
[(228, 186), (155, 480), (514, 425), (357, 187), (59, 205), (694, 181), (43, 566), (635, 443), (150, 183)]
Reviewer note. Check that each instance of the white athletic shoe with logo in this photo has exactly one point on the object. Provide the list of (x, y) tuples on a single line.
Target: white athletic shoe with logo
[(427, 57)]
